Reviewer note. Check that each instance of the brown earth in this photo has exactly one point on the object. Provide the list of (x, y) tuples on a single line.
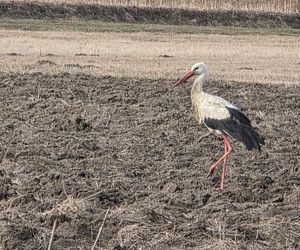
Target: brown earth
[(73, 146), (32, 10)]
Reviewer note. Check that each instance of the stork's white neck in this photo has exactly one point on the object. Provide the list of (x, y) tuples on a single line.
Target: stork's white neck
[(198, 83)]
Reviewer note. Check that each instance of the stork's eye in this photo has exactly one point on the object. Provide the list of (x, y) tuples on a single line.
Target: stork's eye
[(196, 68)]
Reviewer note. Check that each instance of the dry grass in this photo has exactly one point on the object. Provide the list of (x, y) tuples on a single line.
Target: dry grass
[(285, 6), (68, 206), (246, 58)]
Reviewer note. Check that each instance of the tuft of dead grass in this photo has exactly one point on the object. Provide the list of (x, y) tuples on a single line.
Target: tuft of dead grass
[(281, 231), (68, 206)]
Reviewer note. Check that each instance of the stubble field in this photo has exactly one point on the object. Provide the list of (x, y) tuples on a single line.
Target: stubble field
[(90, 122)]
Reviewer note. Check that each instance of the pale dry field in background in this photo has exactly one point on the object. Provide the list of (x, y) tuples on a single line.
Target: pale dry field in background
[(285, 6), (243, 58)]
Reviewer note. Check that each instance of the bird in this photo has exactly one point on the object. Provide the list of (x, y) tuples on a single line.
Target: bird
[(220, 117)]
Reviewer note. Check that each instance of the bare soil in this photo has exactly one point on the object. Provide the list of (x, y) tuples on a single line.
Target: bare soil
[(35, 10), (74, 145)]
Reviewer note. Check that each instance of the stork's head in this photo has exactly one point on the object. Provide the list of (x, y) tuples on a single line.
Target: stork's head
[(197, 69)]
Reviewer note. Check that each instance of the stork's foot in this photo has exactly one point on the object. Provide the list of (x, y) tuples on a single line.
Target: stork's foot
[(209, 174), (222, 186), (211, 171)]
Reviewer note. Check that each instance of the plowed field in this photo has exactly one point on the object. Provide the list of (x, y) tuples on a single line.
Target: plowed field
[(74, 145)]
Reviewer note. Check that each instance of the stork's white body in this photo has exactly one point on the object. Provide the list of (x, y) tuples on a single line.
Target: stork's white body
[(205, 105)]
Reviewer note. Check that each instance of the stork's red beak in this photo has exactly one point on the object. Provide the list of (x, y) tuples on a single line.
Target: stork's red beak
[(184, 78)]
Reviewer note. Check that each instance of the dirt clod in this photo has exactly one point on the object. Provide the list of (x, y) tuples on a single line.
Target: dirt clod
[(81, 124)]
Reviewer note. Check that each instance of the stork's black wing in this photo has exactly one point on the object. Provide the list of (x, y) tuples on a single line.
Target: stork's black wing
[(237, 126)]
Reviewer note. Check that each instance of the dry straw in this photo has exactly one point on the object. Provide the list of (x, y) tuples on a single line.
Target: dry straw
[(100, 229), (52, 235)]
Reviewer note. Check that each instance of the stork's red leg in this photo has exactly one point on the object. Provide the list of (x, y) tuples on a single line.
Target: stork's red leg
[(228, 149), (224, 166), (213, 167)]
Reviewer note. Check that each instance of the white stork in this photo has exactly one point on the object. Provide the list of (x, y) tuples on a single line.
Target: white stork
[(221, 117)]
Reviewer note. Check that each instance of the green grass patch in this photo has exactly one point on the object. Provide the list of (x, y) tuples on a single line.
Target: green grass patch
[(99, 26)]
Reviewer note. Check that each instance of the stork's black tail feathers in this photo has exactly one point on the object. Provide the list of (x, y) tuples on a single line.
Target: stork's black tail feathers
[(239, 127), (250, 138), (247, 134)]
